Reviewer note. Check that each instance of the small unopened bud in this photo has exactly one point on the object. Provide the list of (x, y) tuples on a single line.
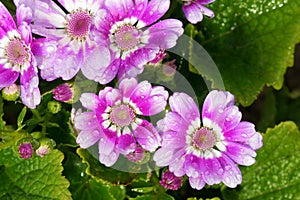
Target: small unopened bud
[(54, 107), (66, 93), (42, 150), (46, 145), (26, 150), (169, 68), (170, 181), (11, 93)]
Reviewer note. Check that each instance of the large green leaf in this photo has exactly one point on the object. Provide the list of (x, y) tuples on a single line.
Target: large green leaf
[(276, 174), (102, 173), (84, 186), (252, 43), (36, 178)]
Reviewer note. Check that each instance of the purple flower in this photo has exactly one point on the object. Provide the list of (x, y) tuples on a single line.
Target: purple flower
[(115, 119), (63, 93), (170, 181), (128, 28), (26, 150), (195, 9), (16, 58), (207, 153), (67, 30)]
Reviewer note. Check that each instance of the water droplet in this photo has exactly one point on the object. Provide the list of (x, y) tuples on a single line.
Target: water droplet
[(220, 110), (227, 119), (101, 139), (142, 96)]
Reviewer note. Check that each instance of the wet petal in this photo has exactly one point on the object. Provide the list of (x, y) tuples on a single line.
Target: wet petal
[(87, 138), (185, 106), (109, 159), (86, 121), (126, 144)]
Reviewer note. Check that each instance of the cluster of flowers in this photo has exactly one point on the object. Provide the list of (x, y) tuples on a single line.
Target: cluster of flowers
[(106, 39)]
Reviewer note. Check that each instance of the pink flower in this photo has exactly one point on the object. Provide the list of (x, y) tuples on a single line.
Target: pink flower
[(114, 119), (195, 9), (16, 58), (207, 153), (67, 29), (134, 39)]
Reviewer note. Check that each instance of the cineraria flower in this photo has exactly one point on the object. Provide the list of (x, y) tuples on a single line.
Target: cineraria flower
[(195, 9), (16, 59), (115, 119), (127, 28), (207, 153), (67, 28)]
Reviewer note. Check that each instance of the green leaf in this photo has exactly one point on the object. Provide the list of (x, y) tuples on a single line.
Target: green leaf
[(102, 173), (276, 172), (157, 196), (21, 116), (36, 178), (83, 186), (252, 43)]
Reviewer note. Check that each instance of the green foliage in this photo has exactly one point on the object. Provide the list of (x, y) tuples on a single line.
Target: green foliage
[(275, 174), (252, 43), (102, 173), (36, 178), (84, 186)]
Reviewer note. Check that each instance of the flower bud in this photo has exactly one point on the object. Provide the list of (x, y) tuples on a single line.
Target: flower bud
[(26, 150), (66, 93), (170, 181), (46, 145), (11, 93), (54, 107)]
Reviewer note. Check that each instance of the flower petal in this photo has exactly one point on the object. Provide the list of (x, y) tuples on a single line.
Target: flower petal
[(86, 121), (241, 154), (147, 136), (87, 138), (197, 183), (126, 144), (7, 76), (127, 86), (164, 156), (185, 106), (173, 140), (214, 107), (192, 13), (152, 105), (30, 92), (155, 10), (7, 23), (89, 101), (172, 122), (106, 145), (109, 159), (192, 166), (165, 33), (232, 174), (98, 66)]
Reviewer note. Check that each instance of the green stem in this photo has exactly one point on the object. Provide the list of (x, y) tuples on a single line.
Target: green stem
[(2, 122)]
